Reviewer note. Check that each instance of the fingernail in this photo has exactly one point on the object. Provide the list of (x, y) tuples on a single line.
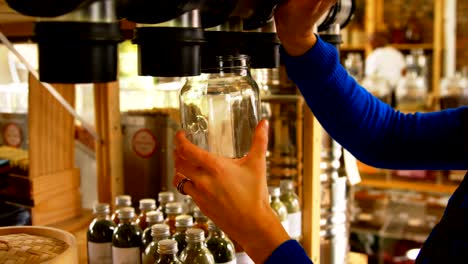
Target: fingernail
[(266, 125)]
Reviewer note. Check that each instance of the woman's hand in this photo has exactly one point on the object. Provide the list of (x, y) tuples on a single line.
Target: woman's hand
[(295, 20), (233, 192)]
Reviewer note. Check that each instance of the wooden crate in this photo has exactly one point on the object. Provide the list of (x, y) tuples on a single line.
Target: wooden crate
[(55, 183)]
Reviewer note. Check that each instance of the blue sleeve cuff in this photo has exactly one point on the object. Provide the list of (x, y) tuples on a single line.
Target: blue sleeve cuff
[(318, 62), (289, 252)]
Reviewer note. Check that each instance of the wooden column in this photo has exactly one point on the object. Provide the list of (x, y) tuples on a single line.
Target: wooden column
[(311, 181), (54, 180), (438, 46), (109, 158)]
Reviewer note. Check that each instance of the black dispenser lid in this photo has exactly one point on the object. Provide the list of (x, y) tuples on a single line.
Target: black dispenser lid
[(178, 57), (44, 8), (154, 12), (261, 47), (74, 52)]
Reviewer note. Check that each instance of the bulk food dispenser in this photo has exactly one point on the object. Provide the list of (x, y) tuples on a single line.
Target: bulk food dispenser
[(179, 38)]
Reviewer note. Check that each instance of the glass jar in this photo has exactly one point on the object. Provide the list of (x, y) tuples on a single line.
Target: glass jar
[(196, 250), (354, 65), (220, 113), (183, 223), (220, 245), (121, 201), (291, 201), (152, 218), (126, 240), (379, 87), (201, 220), (99, 235), (279, 207), (163, 199), (173, 210), (158, 232), (167, 250), (453, 91), (146, 205), (411, 93)]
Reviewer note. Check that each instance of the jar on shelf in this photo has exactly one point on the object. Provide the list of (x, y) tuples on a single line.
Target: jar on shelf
[(453, 91), (379, 87), (354, 65), (411, 93), (219, 112)]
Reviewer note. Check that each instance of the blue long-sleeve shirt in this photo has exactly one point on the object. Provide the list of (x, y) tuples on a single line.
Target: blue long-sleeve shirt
[(378, 135)]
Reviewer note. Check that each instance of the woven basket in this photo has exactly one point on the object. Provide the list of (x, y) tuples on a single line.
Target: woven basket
[(33, 244)]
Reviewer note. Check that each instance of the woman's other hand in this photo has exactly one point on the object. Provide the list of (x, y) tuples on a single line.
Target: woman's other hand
[(233, 192), (295, 20)]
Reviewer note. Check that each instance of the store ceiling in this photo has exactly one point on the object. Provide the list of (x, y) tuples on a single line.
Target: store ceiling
[(7, 15)]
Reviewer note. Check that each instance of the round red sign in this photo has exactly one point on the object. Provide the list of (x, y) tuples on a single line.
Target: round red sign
[(12, 135), (144, 143)]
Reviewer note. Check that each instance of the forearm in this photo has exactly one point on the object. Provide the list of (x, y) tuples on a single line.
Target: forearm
[(370, 129)]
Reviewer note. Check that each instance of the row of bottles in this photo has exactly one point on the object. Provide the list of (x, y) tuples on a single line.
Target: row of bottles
[(121, 238), (285, 202)]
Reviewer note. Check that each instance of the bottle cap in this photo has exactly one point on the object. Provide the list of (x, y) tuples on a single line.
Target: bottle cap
[(167, 246), (274, 191), (160, 231), (154, 217), (197, 213), (184, 221), (286, 185), (212, 226), (123, 200), (147, 204), (194, 235), (126, 213), (174, 208), (166, 197), (101, 208)]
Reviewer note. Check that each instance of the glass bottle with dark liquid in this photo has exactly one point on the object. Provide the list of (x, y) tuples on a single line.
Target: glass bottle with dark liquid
[(158, 232), (196, 250), (173, 210), (126, 240), (220, 246), (152, 218), (183, 223), (164, 198), (99, 236), (201, 220), (146, 205), (167, 250), (121, 201)]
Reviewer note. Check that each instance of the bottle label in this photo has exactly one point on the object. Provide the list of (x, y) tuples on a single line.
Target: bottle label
[(99, 253), (126, 255), (285, 225), (230, 262), (295, 225), (243, 258)]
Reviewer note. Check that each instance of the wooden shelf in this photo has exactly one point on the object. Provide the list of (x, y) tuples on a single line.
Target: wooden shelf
[(353, 47), (405, 185), (404, 46)]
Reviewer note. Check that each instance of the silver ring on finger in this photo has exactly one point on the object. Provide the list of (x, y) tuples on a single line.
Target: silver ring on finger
[(180, 185)]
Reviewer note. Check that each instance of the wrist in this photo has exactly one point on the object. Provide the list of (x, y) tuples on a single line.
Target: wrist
[(268, 236), (299, 46)]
